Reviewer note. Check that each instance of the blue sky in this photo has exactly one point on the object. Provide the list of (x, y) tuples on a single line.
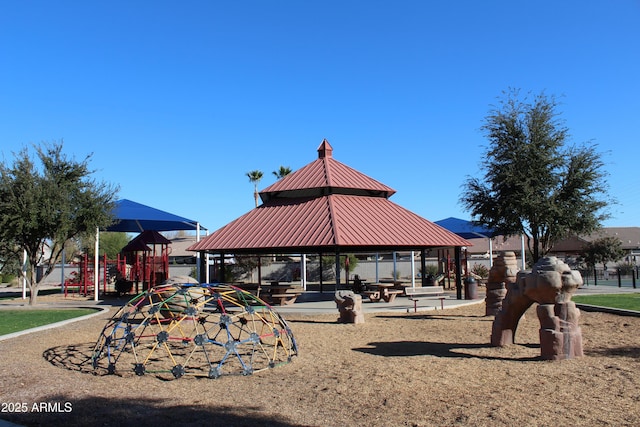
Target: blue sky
[(177, 101)]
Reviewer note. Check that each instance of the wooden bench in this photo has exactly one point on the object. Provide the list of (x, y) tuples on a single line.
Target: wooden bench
[(425, 292)]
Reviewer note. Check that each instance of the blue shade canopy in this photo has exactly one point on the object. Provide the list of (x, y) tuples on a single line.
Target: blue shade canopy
[(132, 217), (465, 229)]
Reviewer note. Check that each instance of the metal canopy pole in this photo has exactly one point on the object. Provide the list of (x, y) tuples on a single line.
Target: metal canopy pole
[(24, 274), (198, 256), (490, 252), (62, 281), (96, 263)]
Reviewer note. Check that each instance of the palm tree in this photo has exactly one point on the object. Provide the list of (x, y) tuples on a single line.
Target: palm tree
[(282, 172), (255, 177)]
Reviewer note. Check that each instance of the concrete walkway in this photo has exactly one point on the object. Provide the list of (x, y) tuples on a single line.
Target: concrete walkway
[(323, 303)]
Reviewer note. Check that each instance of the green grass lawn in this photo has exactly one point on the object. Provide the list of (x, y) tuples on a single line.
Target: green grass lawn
[(623, 301), (19, 320)]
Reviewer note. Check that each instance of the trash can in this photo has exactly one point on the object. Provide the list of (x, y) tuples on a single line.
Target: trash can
[(470, 288)]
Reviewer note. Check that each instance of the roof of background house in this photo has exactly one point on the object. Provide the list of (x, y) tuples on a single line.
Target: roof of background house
[(629, 236), (179, 246)]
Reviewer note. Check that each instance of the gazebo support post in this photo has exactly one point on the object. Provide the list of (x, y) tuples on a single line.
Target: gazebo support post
[(458, 259), (303, 271), (337, 270), (199, 269), (222, 268), (201, 272), (346, 271), (259, 270), (413, 270), (423, 267), (320, 266)]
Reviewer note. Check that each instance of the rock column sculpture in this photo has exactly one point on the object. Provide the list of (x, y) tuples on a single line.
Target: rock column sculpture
[(551, 284), (503, 272)]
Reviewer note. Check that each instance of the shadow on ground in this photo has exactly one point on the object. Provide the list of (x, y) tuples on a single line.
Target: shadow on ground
[(627, 351), (313, 321), (73, 357), (142, 412), (418, 316), (438, 349)]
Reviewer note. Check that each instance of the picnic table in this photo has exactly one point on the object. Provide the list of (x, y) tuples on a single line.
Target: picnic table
[(253, 288), (384, 291), (282, 294)]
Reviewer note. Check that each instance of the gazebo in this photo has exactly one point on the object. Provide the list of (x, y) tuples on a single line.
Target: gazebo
[(327, 207)]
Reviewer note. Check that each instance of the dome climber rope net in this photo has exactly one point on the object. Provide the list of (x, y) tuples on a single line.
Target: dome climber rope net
[(206, 330)]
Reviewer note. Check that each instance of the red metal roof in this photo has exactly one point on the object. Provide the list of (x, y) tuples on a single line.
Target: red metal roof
[(327, 207), (324, 224), (325, 175)]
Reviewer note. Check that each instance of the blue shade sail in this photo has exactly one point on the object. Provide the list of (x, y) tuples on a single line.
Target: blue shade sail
[(132, 217), (465, 229)]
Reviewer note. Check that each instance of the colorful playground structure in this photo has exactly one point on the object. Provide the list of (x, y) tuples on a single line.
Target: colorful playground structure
[(189, 329), (143, 262)]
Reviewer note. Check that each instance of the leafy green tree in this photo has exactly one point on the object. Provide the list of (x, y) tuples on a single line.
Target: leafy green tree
[(349, 266), (603, 251), (244, 265), (282, 172), (254, 177), (533, 183), (45, 206), (111, 243), (9, 264)]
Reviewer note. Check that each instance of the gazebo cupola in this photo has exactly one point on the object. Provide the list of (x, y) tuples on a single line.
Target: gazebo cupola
[(325, 150), (323, 177)]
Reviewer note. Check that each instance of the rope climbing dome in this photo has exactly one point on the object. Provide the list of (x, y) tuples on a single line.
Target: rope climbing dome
[(205, 330)]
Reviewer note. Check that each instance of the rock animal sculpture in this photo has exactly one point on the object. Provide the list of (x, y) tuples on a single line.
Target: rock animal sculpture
[(551, 284)]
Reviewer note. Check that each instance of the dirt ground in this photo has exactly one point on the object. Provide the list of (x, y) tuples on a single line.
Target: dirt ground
[(409, 369)]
